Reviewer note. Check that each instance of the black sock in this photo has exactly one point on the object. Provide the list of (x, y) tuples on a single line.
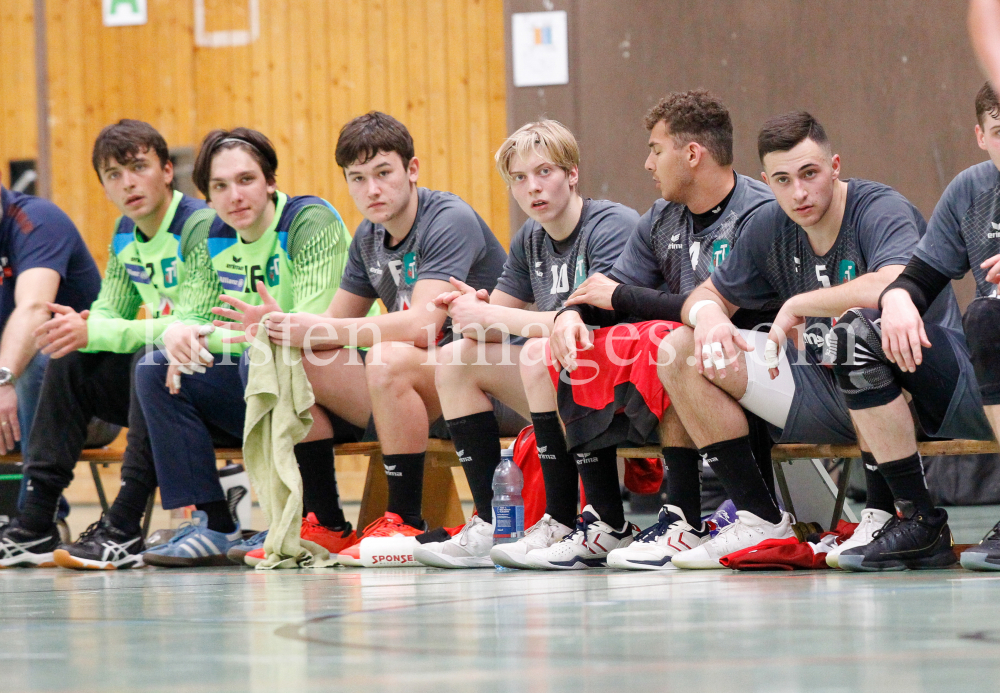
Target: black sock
[(40, 504), (220, 518), (734, 464), (683, 471), (477, 442), (126, 512), (760, 445), (879, 493), (906, 479), (599, 474), (558, 467), (319, 482), (405, 476)]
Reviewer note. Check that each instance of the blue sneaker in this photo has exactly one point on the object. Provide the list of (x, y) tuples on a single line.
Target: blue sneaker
[(238, 553), (194, 545)]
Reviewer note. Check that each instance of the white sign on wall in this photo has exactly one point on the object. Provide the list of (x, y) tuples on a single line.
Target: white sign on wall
[(540, 48), (124, 12)]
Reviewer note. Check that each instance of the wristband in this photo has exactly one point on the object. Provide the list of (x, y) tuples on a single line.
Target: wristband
[(693, 313)]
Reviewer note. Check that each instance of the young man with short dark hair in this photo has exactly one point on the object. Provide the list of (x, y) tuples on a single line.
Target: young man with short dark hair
[(565, 239), (411, 242), (879, 354), (94, 351), (824, 246), (679, 242)]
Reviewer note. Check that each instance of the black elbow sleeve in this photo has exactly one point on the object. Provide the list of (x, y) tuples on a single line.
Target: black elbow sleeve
[(921, 281)]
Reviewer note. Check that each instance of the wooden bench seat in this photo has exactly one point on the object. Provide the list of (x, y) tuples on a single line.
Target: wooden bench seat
[(442, 506)]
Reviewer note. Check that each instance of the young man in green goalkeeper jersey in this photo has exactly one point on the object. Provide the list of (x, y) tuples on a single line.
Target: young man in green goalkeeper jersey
[(270, 250), (94, 351)]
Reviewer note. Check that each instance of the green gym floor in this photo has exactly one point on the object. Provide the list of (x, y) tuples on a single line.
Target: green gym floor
[(231, 629)]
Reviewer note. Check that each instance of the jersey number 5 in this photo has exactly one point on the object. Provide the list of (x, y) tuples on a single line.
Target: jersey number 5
[(822, 278), (560, 279)]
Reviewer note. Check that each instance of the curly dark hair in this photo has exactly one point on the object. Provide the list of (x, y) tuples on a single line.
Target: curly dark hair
[(987, 104), (782, 132), (696, 116)]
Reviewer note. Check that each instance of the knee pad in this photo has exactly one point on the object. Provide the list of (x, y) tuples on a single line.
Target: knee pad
[(982, 333), (854, 348)]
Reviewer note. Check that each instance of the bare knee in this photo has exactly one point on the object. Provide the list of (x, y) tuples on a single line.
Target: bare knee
[(390, 365), (672, 358), (454, 364)]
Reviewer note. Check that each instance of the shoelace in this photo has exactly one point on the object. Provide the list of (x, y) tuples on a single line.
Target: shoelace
[(89, 533), (582, 525), (182, 531), (888, 527), (993, 533), (463, 536), (381, 527), (651, 534)]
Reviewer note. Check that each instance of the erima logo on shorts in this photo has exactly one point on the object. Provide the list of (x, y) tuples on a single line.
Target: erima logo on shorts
[(390, 470), (813, 339), (397, 558)]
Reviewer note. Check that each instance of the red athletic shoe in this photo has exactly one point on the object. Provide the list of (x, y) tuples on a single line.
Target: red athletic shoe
[(331, 540), (390, 531)]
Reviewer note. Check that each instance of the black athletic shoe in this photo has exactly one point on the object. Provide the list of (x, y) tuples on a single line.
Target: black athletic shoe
[(909, 540), (986, 554), (22, 548), (102, 546)]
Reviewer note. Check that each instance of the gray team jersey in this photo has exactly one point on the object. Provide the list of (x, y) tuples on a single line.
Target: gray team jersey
[(774, 260), (537, 273), (664, 252), (448, 239), (965, 227)]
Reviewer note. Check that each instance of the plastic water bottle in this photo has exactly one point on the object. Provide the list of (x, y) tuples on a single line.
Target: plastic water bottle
[(508, 506)]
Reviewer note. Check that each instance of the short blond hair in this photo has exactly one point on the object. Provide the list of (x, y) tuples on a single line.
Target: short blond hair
[(550, 139)]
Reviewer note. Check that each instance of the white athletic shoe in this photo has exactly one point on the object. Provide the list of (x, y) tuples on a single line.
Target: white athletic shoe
[(748, 530), (654, 547), (470, 548), (540, 535), (587, 546), (872, 520)]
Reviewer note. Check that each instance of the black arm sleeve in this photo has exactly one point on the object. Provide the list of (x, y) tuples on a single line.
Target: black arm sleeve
[(632, 304), (647, 304), (921, 281)]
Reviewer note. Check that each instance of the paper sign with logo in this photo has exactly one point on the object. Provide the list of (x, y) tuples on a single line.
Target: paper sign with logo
[(540, 48), (124, 12)]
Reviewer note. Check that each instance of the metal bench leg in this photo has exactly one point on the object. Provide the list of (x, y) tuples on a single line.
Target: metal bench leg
[(100, 486), (148, 517), (786, 496), (838, 506)]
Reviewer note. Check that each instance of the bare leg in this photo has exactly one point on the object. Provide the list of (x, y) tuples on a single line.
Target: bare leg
[(708, 409), (993, 414), (339, 384), (538, 388), (469, 371), (672, 431), (887, 430), (403, 397)]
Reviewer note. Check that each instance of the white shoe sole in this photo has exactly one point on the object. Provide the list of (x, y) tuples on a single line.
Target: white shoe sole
[(833, 560), (696, 562), (64, 559), (575, 563), (34, 560), (625, 563), (438, 560), (502, 558)]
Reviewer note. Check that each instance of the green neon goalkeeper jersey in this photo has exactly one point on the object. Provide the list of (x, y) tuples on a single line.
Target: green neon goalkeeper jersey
[(300, 258), (144, 272)]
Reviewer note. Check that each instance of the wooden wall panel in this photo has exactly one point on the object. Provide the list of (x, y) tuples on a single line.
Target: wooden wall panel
[(98, 75), (437, 65), (18, 127)]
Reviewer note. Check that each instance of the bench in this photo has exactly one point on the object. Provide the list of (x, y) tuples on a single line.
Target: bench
[(442, 507)]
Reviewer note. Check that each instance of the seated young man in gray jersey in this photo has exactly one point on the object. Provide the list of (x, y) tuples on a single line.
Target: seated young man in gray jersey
[(703, 208), (411, 242), (565, 239), (907, 351), (824, 246)]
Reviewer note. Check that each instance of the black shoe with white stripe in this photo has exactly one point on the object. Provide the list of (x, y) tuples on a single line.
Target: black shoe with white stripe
[(102, 546), (22, 548)]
